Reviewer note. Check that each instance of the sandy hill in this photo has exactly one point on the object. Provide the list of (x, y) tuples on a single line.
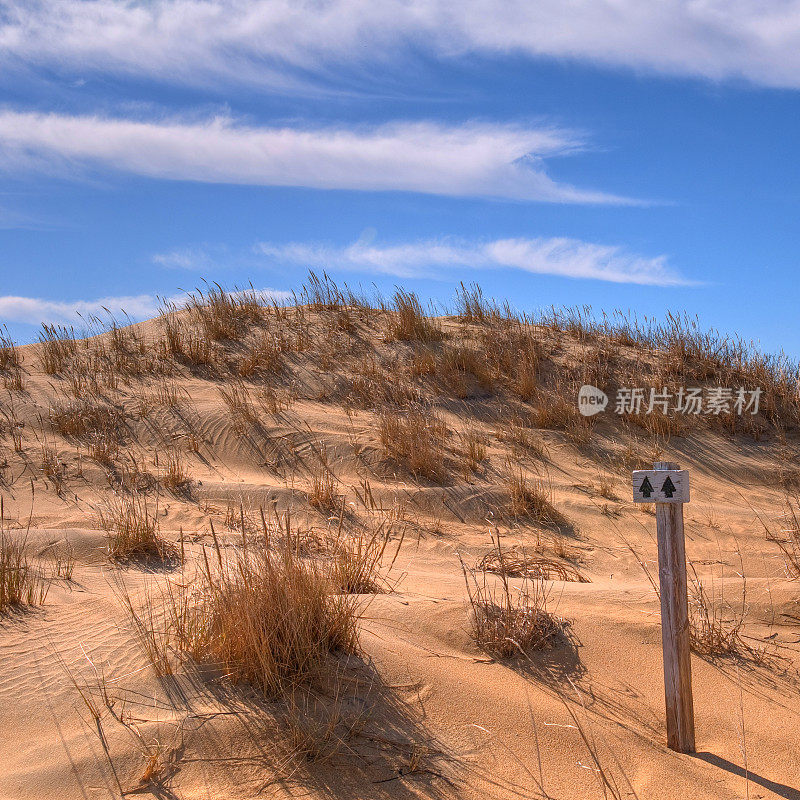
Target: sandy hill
[(367, 458)]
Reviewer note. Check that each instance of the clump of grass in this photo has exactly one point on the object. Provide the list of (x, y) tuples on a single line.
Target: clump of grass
[(165, 394), (240, 404), (168, 395), (658, 424), (268, 617), (411, 323), (357, 561), (103, 447), (52, 467), (96, 424), (506, 620), (474, 443), (133, 529), (58, 347), (512, 351), (423, 362), (472, 307), (323, 294), (323, 495), (715, 625), (63, 563), (374, 384), (415, 440), (21, 583), (273, 400), (183, 341), (13, 381), (16, 436), (9, 355), (84, 417), (522, 439), (237, 519), (175, 476), (605, 487), (265, 356), (532, 499), (526, 382), (555, 412), (460, 360), (224, 315)]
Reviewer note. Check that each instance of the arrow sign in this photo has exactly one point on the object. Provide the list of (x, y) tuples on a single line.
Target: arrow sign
[(660, 486)]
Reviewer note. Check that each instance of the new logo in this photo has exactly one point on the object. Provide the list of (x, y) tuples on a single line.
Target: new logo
[(591, 400)]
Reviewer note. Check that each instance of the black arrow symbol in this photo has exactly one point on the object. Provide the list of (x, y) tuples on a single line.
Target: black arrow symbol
[(668, 488), (646, 488)]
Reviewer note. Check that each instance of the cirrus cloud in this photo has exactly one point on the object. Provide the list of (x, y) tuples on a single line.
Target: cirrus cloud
[(472, 159), (280, 43), (565, 257)]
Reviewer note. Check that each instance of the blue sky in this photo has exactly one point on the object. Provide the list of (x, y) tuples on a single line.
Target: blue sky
[(629, 154)]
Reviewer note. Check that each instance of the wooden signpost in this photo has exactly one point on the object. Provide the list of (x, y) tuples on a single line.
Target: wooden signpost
[(668, 487)]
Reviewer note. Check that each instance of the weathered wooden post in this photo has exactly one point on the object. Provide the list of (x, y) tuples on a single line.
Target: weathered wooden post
[(668, 487)]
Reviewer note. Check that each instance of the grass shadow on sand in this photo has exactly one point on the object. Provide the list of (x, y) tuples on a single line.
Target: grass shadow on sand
[(349, 736)]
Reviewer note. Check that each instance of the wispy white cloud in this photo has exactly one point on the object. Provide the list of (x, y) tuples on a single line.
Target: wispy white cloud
[(37, 310), (197, 258), (259, 41), (569, 258), (472, 159)]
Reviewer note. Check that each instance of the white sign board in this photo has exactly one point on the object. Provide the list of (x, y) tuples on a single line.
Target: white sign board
[(661, 486)]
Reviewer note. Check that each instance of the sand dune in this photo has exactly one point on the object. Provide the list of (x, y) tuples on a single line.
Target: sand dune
[(437, 716)]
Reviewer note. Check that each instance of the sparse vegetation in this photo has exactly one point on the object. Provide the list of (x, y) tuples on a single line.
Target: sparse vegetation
[(133, 529), (52, 467), (175, 476), (224, 315), (323, 495), (243, 411), (518, 563), (415, 440), (508, 621), (532, 499), (83, 418), (716, 625), (358, 561), (13, 381), (264, 357), (410, 322), (787, 537), (58, 346), (9, 355), (474, 443), (21, 582)]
